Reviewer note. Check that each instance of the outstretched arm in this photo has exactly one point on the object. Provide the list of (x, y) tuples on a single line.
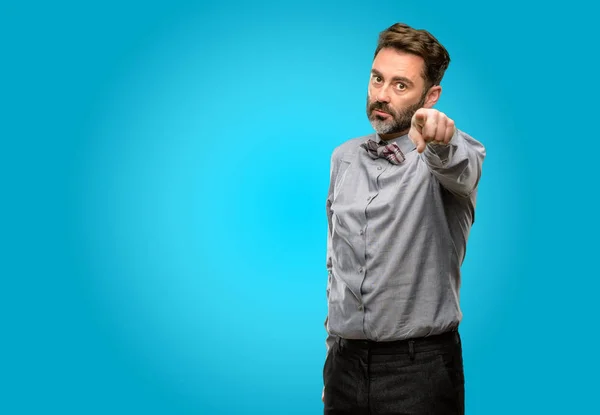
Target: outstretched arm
[(453, 156)]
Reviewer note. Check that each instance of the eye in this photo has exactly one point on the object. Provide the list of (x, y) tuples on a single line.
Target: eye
[(400, 86), (377, 79)]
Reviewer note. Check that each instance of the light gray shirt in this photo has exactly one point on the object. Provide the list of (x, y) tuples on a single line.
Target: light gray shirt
[(397, 238)]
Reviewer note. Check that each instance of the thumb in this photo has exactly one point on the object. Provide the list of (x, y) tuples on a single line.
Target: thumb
[(420, 118)]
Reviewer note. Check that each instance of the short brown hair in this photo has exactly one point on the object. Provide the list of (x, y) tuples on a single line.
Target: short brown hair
[(419, 42)]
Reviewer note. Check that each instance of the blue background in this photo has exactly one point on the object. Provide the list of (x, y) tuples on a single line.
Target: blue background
[(146, 271)]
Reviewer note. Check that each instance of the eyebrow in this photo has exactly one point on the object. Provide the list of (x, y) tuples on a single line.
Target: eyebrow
[(395, 78)]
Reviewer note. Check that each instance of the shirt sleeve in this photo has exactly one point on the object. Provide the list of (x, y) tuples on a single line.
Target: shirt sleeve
[(330, 340), (332, 178), (457, 165), (329, 202)]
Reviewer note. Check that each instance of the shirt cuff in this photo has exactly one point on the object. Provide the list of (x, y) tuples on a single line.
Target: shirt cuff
[(439, 154)]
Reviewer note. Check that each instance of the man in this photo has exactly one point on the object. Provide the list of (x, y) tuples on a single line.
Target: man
[(400, 207)]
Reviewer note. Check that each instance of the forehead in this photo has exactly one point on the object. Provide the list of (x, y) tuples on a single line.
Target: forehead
[(391, 62)]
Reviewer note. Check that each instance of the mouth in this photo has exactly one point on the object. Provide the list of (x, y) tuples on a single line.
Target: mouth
[(381, 113)]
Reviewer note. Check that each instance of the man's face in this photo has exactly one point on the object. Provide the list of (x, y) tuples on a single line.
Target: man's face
[(395, 91)]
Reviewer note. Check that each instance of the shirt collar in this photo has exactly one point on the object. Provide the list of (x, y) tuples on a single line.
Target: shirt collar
[(404, 143)]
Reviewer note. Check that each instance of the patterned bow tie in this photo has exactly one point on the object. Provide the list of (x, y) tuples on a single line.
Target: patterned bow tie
[(391, 152)]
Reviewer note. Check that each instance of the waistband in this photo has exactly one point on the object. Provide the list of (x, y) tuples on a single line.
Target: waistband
[(415, 345)]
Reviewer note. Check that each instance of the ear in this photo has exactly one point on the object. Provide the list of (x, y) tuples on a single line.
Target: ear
[(432, 96)]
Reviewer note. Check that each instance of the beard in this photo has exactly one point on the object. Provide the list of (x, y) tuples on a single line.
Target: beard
[(400, 120)]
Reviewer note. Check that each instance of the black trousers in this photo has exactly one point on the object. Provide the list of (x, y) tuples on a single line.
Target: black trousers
[(422, 376)]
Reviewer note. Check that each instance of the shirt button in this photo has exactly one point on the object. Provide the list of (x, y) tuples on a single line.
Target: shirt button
[(361, 232), (378, 167), (360, 270), (361, 307), (368, 198)]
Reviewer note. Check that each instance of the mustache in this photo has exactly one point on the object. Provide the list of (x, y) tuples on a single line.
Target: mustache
[(381, 106)]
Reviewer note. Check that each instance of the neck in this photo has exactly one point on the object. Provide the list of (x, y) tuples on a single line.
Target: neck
[(388, 137)]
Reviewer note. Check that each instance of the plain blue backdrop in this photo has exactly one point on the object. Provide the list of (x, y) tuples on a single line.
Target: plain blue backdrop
[(164, 170)]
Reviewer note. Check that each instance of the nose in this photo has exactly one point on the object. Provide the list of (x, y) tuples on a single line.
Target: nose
[(382, 95)]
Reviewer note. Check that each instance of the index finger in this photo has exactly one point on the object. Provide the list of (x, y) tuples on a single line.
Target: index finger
[(418, 140)]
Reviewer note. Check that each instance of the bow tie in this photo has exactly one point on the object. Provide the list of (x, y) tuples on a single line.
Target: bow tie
[(391, 152)]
